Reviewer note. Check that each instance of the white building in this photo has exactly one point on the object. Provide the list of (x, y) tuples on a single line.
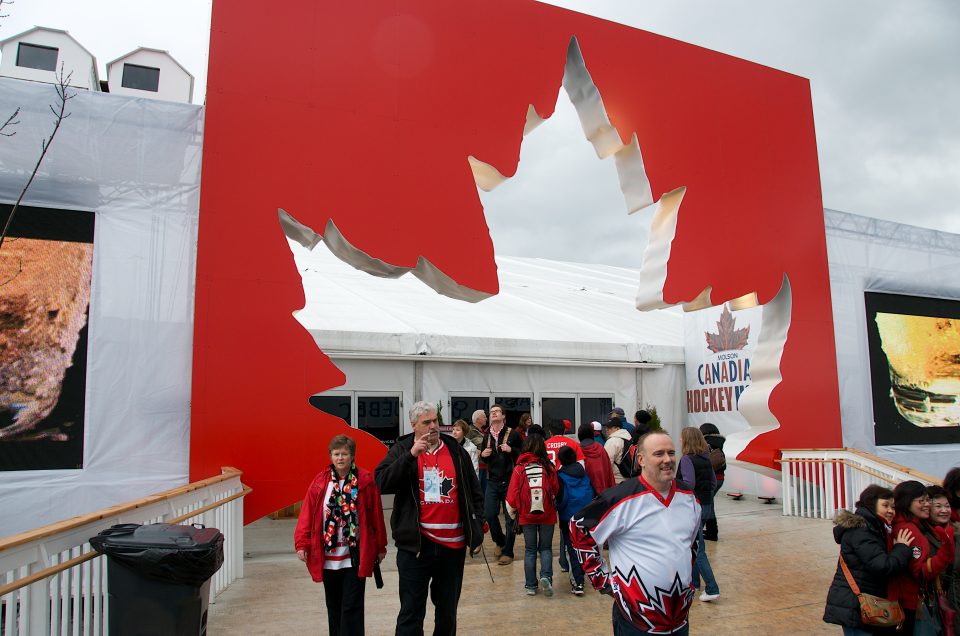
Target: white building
[(150, 73), (38, 55)]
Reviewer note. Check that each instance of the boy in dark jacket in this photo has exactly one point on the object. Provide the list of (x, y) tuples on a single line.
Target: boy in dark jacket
[(711, 433), (575, 492)]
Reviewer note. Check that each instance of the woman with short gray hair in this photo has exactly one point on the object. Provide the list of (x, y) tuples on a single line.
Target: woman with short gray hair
[(341, 536)]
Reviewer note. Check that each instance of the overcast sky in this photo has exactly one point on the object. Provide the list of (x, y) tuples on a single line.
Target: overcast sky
[(885, 77)]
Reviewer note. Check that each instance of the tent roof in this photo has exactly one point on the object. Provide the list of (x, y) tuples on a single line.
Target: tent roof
[(546, 310)]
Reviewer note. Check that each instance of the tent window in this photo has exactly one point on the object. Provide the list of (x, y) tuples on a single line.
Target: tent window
[(463, 406), (335, 405), (144, 78), (43, 58), (513, 408), (380, 416), (597, 409), (558, 409)]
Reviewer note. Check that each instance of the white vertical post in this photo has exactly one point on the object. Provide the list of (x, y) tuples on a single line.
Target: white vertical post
[(37, 611)]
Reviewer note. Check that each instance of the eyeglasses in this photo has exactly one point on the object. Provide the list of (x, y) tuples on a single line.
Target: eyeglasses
[(924, 500)]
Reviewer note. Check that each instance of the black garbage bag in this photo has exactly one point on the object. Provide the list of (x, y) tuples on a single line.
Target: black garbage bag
[(187, 555)]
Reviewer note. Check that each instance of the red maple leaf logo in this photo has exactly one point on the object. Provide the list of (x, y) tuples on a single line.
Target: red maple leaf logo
[(728, 337), (657, 611)]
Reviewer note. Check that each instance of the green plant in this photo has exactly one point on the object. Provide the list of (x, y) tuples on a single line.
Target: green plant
[(654, 422)]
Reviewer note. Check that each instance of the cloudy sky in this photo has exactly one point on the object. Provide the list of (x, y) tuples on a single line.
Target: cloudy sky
[(885, 77)]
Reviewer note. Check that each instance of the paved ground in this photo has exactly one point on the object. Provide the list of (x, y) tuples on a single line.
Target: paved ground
[(773, 573)]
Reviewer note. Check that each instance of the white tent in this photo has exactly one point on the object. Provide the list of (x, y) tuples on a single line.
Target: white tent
[(555, 331)]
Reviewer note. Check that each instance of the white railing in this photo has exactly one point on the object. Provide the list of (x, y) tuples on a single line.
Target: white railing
[(52, 582), (817, 482)]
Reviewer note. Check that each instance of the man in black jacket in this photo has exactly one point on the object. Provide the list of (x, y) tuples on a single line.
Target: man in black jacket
[(499, 450), (435, 518)]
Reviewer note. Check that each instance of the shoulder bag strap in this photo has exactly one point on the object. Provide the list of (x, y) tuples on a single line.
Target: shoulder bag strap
[(846, 572)]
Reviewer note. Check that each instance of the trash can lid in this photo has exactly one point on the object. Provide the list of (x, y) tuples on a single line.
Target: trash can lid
[(161, 535)]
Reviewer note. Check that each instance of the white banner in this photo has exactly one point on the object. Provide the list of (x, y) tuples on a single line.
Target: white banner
[(718, 347)]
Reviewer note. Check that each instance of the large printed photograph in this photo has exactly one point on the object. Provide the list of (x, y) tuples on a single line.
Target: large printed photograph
[(914, 345), (46, 267)]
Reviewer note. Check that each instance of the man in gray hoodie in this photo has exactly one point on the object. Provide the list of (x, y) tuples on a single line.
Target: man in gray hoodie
[(618, 442)]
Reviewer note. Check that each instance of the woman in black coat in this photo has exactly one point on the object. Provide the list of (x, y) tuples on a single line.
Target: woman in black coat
[(872, 555)]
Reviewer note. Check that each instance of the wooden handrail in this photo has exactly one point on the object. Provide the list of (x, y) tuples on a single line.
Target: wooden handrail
[(83, 558), (845, 462), (61, 526), (910, 471)]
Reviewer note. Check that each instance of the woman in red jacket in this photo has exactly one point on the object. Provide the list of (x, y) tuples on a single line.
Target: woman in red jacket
[(913, 514), (531, 499), (341, 536)]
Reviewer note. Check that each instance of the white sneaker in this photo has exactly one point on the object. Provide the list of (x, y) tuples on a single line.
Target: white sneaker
[(706, 598), (546, 585)]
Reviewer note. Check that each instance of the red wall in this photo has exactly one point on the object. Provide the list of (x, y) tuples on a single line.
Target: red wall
[(366, 112)]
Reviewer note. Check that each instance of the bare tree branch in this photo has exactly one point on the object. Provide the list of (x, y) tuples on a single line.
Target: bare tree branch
[(64, 94), (11, 121)]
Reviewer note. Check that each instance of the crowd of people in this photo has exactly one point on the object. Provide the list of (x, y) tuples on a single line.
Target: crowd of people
[(451, 490), (899, 556), (633, 518)]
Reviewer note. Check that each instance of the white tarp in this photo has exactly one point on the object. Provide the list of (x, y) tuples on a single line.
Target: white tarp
[(136, 164), (545, 310), (881, 256)]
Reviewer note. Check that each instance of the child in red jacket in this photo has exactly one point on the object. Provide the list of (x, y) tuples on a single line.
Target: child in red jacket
[(531, 499)]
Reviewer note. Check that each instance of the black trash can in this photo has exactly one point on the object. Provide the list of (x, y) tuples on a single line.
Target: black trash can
[(159, 577)]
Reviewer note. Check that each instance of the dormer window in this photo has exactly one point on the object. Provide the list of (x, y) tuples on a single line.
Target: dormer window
[(144, 78), (43, 58)]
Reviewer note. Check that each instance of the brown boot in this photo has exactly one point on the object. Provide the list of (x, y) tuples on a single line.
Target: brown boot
[(505, 560), (497, 551)]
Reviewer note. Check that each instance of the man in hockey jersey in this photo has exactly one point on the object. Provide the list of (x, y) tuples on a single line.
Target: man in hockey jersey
[(650, 525)]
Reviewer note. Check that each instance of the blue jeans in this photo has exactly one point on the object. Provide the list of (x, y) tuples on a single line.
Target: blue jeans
[(539, 540), (854, 631), (701, 567), (495, 500), (623, 627), (575, 567)]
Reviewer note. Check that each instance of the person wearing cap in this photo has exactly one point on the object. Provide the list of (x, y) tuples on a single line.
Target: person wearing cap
[(597, 432), (595, 459), (618, 413), (618, 443)]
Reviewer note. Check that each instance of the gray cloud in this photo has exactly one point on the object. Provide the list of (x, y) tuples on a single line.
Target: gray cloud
[(884, 79), (885, 86)]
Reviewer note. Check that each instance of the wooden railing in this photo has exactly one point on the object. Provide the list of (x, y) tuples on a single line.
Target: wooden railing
[(817, 482), (52, 582)]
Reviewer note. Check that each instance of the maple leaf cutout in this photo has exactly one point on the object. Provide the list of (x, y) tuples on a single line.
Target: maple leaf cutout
[(728, 337)]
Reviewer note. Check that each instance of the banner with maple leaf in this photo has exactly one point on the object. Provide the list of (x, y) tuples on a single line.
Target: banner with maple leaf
[(718, 348), (728, 337)]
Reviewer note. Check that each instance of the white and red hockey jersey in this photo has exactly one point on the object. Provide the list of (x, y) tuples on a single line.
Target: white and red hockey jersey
[(652, 544)]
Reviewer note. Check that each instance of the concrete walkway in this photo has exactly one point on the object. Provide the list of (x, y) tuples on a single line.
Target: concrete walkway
[(773, 572)]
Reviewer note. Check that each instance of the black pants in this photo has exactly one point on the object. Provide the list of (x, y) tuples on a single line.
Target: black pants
[(711, 532), (344, 594), (440, 569)]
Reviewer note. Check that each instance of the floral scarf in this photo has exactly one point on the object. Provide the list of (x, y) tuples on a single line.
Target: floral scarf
[(342, 509)]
